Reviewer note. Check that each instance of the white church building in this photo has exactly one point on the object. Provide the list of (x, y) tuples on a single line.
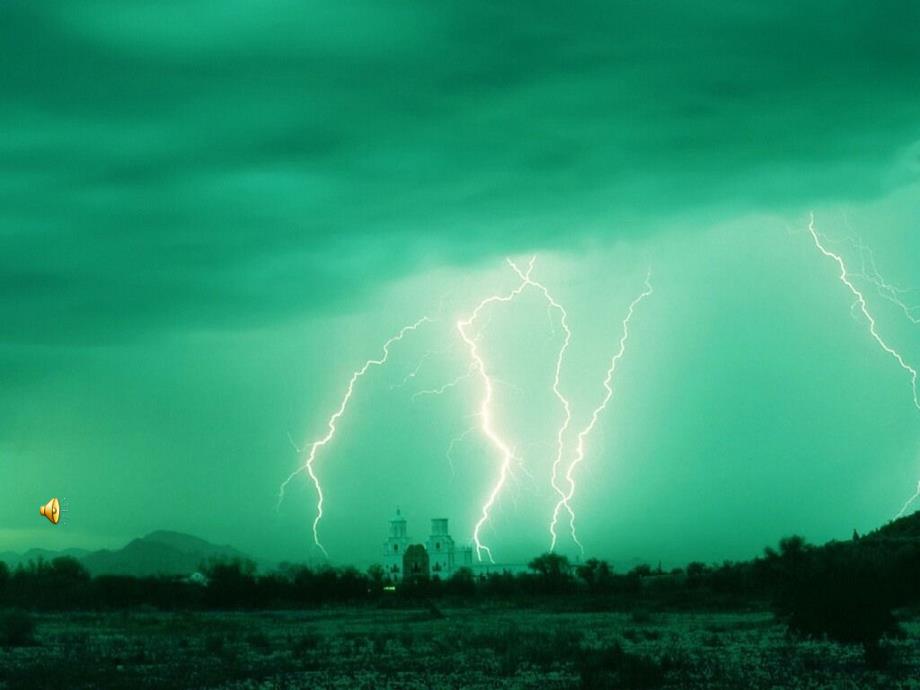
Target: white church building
[(444, 556)]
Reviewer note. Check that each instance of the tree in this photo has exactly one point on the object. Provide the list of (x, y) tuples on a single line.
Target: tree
[(696, 569), (597, 575), (68, 569), (696, 572), (641, 570), (840, 593), (376, 576), (792, 548), (231, 584), (553, 571), (461, 582)]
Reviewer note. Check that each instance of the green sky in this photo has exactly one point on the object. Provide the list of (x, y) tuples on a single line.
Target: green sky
[(211, 214)]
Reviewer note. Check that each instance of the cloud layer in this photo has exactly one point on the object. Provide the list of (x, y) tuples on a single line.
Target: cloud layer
[(176, 166)]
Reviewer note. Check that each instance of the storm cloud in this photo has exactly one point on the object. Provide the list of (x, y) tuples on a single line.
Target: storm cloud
[(180, 164)]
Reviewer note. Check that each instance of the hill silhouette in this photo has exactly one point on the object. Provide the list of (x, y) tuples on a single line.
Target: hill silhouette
[(159, 553), (12, 558), (903, 529)]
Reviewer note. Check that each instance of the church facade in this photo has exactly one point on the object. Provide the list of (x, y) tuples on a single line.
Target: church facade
[(445, 557)]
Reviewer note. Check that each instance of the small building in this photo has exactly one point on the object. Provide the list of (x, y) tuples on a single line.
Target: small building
[(416, 565)]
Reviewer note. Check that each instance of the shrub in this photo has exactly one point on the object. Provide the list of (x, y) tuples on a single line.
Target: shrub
[(514, 647), (461, 583), (554, 572), (640, 616), (642, 570), (307, 642), (259, 641), (839, 597), (596, 574), (17, 629), (407, 639), (613, 667), (214, 644)]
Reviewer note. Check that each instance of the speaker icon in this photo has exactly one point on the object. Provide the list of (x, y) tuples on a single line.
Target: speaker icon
[(52, 511)]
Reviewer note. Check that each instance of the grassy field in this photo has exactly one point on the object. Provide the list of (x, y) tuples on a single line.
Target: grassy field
[(429, 648)]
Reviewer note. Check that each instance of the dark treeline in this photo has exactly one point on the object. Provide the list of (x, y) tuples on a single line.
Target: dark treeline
[(845, 590), (64, 584), (781, 577)]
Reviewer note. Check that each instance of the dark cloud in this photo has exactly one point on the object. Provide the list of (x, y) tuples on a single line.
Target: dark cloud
[(170, 165)]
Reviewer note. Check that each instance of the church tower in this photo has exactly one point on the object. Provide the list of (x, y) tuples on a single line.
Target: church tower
[(441, 550), (395, 546)]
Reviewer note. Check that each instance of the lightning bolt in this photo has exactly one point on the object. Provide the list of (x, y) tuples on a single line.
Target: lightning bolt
[(909, 502), (893, 294), (412, 374), (442, 389), (863, 308), (454, 442), (505, 452), (308, 464), (586, 431), (888, 291), (563, 401)]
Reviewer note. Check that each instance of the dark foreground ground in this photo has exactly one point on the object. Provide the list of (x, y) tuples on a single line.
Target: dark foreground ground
[(430, 648)]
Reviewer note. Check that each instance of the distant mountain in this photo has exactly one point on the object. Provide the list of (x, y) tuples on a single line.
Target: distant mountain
[(12, 559), (158, 553)]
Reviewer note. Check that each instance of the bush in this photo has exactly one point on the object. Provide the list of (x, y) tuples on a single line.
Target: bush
[(17, 629), (613, 667), (307, 642), (596, 574), (515, 648), (554, 572), (839, 596), (640, 616), (258, 641), (461, 583), (214, 644)]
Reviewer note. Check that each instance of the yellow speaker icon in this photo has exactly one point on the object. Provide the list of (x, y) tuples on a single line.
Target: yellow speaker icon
[(52, 511)]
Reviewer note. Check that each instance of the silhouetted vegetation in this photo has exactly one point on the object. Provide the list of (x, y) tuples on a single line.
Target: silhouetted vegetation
[(843, 591), (554, 573), (613, 667), (844, 594), (797, 579), (597, 575)]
